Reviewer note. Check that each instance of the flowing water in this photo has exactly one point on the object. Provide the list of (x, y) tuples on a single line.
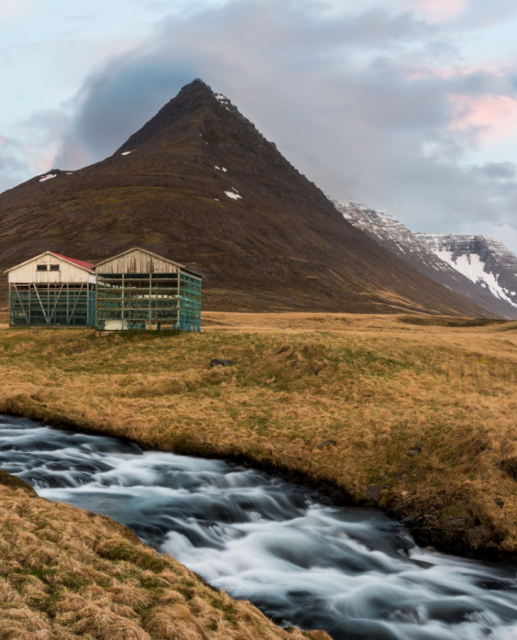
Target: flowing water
[(353, 572)]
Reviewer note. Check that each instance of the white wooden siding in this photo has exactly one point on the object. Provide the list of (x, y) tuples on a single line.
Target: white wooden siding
[(28, 272)]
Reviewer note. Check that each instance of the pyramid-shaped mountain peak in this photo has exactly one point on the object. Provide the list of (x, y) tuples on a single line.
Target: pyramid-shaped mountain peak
[(194, 104), (200, 185), (197, 86)]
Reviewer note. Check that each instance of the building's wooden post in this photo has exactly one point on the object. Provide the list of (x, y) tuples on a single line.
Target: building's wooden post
[(40, 302), (96, 299), (123, 298), (10, 305), (149, 324), (21, 303), (55, 303), (178, 319), (76, 301)]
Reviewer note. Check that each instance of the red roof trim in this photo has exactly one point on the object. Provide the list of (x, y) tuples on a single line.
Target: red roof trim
[(79, 263)]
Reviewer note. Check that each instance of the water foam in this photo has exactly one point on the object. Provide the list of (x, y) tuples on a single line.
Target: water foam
[(302, 560)]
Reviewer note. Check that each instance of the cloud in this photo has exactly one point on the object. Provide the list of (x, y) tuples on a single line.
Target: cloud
[(243, 48), (494, 116), (498, 170), (441, 9), (480, 14), (464, 14), (32, 148), (116, 102), (13, 9), (12, 164), (376, 105)]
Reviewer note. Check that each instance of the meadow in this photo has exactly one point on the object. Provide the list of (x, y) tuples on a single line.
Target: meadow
[(412, 414)]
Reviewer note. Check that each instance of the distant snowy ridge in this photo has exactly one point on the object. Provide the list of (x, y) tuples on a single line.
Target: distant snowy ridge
[(429, 255), (391, 233), (482, 259)]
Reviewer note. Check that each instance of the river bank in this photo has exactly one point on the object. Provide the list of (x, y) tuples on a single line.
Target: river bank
[(66, 574), (414, 419), (298, 557)]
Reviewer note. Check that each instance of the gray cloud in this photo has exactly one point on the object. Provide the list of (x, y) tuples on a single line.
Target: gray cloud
[(499, 170), (116, 102), (355, 101)]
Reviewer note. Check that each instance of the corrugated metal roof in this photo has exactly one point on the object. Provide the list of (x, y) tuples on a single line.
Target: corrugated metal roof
[(79, 263)]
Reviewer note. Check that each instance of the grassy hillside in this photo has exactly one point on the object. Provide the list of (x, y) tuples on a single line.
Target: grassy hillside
[(419, 418)]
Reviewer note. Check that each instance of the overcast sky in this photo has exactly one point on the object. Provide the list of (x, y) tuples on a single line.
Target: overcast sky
[(406, 105)]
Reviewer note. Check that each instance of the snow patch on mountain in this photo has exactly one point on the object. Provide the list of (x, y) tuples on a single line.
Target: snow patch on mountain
[(482, 259), (234, 195), (494, 289)]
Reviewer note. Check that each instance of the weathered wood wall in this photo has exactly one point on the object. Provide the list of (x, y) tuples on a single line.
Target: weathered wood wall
[(28, 272), (137, 261)]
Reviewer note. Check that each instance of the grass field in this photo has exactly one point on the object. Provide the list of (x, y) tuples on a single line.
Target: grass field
[(66, 574), (419, 418)]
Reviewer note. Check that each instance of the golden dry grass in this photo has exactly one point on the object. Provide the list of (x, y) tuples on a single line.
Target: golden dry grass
[(67, 574), (341, 399)]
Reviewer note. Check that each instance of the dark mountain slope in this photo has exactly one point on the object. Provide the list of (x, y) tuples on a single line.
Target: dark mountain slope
[(199, 184)]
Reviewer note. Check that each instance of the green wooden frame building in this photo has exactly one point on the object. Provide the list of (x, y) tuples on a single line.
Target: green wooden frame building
[(138, 289)]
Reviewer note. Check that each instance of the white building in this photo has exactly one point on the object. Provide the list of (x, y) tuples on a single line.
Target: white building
[(52, 290)]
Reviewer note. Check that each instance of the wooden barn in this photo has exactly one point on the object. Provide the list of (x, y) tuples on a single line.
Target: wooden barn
[(52, 290), (138, 289)]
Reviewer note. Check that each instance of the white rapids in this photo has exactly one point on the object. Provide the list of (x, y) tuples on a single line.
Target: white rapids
[(299, 558)]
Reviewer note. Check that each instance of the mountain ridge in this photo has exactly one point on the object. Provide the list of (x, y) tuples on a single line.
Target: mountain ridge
[(413, 248), (200, 184), (482, 259)]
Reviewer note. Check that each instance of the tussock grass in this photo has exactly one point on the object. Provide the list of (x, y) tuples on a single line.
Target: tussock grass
[(67, 574)]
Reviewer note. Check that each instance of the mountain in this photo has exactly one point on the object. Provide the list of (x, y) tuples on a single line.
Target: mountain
[(199, 184), (429, 255), (482, 259)]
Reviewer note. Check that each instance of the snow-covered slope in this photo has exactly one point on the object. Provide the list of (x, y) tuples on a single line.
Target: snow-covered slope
[(415, 250), (392, 234), (482, 259)]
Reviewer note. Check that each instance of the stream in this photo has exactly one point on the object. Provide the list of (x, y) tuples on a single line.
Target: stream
[(302, 560)]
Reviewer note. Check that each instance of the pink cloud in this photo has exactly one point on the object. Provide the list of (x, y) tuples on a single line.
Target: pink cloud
[(440, 9), (12, 9), (494, 116)]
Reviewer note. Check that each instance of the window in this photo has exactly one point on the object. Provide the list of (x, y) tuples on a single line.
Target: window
[(54, 267), (41, 267)]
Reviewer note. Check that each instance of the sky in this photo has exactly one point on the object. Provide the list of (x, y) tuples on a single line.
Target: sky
[(408, 106)]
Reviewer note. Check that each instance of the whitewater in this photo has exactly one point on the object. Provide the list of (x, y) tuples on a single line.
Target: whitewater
[(301, 559)]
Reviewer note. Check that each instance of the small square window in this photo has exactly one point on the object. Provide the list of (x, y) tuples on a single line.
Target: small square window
[(41, 267), (54, 267)]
